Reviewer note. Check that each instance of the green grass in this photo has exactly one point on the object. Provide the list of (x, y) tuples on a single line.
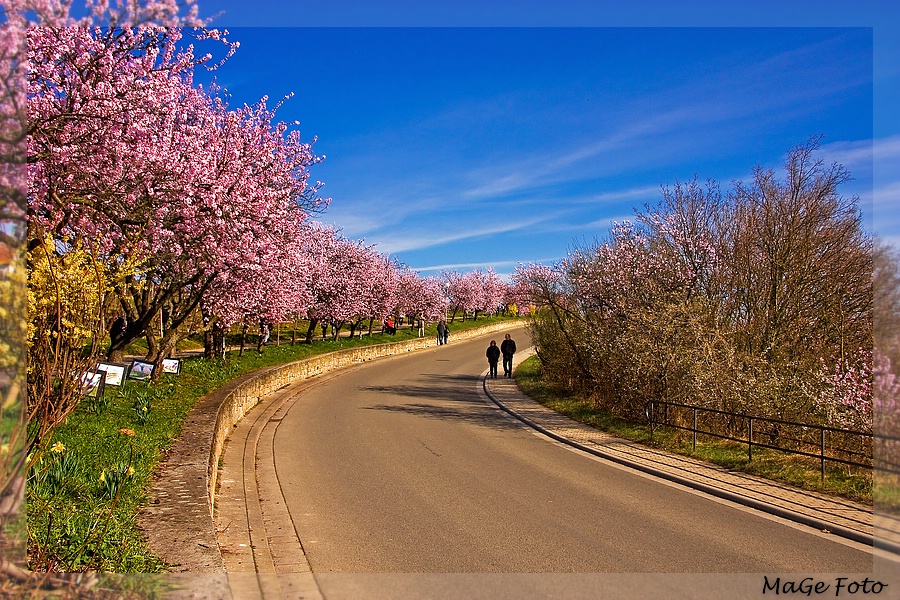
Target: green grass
[(77, 521), (73, 524), (787, 468), (887, 494)]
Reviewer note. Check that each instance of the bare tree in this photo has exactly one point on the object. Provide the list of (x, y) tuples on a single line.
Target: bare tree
[(886, 288), (756, 300), (801, 261)]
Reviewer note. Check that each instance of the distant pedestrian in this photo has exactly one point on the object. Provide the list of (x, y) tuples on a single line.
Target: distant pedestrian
[(508, 348), (441, 332), (263, 336), (421, 327), (493, 356), (263, 331), (446, 333)]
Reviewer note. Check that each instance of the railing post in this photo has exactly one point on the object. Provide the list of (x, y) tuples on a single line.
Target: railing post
[(695, 429), (750, 442), (823, 455), (650, 417)]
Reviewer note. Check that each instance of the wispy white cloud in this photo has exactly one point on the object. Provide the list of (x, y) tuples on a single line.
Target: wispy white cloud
[(886, 210), (580, 161), (428, 237), (362, 211), (877, 163), (887, 146), (642, 192), (856, 156), (717, 102)]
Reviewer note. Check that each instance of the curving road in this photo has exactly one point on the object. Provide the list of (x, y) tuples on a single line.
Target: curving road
[(402, 466)]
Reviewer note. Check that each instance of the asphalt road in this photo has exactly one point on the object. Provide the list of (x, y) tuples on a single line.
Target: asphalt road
[(402, 466)]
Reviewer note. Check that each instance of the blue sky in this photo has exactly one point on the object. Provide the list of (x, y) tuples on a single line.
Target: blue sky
[(470, 135)]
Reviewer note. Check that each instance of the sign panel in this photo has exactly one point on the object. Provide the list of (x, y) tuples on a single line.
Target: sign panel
[(115, 373), (140, 370)]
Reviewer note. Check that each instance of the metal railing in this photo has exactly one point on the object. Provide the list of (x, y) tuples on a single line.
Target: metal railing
[(825, 444)]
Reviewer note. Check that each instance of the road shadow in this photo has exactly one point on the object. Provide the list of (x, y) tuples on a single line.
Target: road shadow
[(447, 398)]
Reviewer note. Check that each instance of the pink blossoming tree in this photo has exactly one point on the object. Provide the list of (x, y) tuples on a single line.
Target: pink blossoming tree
[(171, 188)]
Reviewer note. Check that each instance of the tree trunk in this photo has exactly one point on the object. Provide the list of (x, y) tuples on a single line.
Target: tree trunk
[(209, 344), (219, 342), (116, 355), (167, 348), (311, 331), (153, 349)]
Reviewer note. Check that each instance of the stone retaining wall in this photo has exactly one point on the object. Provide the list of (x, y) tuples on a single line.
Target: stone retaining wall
[(179, 519)]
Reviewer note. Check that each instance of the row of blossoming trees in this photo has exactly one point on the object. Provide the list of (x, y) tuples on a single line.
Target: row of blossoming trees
[(757, 300), (147, 194), (125, 187)]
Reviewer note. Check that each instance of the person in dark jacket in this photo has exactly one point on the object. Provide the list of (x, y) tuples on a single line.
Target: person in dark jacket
[(493, 356), (507, 348)]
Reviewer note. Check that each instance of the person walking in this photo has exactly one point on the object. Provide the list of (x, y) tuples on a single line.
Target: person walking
[(264, 331), (441, 332), (493, 356), (508, 348)]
